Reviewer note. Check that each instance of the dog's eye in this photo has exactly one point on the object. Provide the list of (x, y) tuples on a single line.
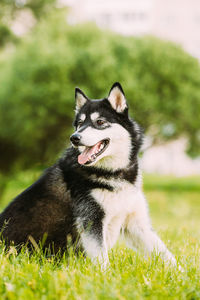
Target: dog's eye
[(100, 122)]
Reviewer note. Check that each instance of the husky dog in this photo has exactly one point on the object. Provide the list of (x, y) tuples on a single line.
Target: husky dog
[(94, 192)]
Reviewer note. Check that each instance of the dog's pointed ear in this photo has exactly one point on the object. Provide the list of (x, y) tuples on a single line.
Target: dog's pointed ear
[(80, 99), (117, 98)]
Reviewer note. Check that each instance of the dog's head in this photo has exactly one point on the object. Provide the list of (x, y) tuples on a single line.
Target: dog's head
[(105, 135)]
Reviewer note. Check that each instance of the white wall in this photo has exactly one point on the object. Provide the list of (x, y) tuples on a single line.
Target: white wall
[(175, 20)]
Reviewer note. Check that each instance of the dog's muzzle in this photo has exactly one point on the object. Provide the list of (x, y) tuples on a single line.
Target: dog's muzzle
[(75, 139)]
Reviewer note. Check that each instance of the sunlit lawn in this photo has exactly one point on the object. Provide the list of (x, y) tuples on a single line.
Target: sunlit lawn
[(174, 206)]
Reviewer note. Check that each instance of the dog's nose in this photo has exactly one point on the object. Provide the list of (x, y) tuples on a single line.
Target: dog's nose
[(75, 139)]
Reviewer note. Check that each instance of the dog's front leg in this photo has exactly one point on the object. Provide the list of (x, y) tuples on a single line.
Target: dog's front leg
[(95, 247), (139, 234)]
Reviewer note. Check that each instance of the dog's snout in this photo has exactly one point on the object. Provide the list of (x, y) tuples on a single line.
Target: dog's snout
[(75, 138)]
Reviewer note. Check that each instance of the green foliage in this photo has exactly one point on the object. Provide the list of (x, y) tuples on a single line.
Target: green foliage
[(130, 275), (39, 8), (9, 13), (37, 84), (5, 35)]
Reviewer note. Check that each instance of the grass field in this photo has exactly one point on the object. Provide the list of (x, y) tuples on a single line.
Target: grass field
[(174, 206)]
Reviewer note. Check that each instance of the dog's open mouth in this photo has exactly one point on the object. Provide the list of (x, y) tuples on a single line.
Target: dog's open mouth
[(90, 154)]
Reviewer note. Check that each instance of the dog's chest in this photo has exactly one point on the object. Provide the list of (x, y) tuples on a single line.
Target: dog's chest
[(120, 201)]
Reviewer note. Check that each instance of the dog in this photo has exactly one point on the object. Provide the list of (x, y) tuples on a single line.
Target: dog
[(93, 193)]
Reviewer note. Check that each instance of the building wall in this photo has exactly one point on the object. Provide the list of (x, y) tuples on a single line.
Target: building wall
[(178, 21), (175, 20)]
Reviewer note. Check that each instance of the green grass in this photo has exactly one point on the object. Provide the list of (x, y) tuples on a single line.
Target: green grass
[(174, 206)]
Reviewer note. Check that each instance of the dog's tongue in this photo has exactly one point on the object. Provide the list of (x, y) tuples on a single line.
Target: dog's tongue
[(86, 155)]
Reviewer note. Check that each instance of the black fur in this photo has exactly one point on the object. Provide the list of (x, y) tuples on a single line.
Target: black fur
[(55, 204)]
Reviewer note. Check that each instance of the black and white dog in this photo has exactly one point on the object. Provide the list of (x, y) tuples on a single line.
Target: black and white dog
[(94, 192)]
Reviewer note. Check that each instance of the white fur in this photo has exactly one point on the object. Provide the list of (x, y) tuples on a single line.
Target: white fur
[(126, 211), (116, 156), (117, 99), (91, 245), (94, 116), (82, 117), (93, 249)]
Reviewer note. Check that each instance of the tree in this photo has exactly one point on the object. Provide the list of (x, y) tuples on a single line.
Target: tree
[(9, 10)]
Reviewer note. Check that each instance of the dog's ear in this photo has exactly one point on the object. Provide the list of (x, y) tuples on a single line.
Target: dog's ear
[(80, 98), (117, 98)]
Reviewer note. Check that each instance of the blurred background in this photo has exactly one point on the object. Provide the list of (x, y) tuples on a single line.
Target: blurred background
[(48, 47)]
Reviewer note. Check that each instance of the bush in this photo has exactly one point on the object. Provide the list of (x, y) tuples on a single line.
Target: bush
[(37, 84)]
